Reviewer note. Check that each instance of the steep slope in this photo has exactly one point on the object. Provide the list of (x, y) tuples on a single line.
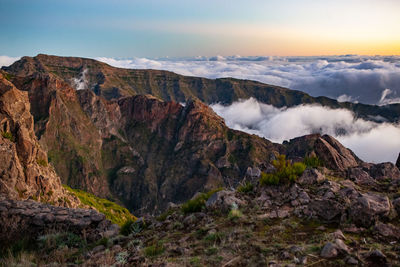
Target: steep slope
[(139, 150), (113, 82), (24, 169)]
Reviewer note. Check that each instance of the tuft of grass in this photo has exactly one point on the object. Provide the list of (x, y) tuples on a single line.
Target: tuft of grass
[(130, 227), (114, 212), (235, 214), (55, 241), (8, 136), (312, 162), (285, 172), (245, 188), (154, 250), (164, 215), (198, 204)]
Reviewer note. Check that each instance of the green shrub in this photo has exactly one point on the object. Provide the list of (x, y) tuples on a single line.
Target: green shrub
[(198, 203), (114, 212), (130, 227), (163, 216), (214, 237), (245, 188), (8, 136), (312, 162), (51, 242), (234, 213), (41, 162), (285, 172), (154, 250)]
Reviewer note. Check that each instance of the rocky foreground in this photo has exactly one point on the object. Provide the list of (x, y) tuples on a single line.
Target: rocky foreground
[(320, 206), (320, 220)]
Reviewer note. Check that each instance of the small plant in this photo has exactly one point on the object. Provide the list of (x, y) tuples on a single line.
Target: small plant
[(198, 203), (8, 136), (41, 162), (195, 261), (235, 213), (245, 188), (122, 257), (103, 241), (312, 162), (164, 215), (154, 250), (285, 172), (130, 227), (214, 237), (60, 240), (211, 251)]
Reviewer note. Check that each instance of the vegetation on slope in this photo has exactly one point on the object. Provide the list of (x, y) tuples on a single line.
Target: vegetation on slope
[(114, 212), (285, 172)]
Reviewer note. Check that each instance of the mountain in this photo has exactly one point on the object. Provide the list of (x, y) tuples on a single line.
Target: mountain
[(206, 194), (112, 83), (143, 151)]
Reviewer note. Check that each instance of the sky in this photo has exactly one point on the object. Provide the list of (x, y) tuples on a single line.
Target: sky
[(182, 28)]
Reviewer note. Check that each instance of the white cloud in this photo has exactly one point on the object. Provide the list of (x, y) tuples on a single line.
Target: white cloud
[(81, 83), (385, 100), (359, 78), (371, 141), (7, 61), (346, 98)]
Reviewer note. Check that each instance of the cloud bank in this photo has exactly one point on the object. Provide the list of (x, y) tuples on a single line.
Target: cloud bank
[(371, 141), (7, 61), (346, 78)]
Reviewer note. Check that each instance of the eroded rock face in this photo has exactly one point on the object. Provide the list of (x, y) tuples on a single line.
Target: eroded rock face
[(24, 169), (333, 154), (21, 219)]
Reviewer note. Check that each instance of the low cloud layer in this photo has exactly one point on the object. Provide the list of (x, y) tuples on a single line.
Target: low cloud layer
[(371, 141), (7, 61), (346, 78)]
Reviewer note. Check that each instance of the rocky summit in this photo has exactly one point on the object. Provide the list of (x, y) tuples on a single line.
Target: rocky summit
[(205, 195)]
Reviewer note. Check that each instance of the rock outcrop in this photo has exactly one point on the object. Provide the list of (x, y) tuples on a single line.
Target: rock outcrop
[(332, 154), (24, 169), (22, 219)]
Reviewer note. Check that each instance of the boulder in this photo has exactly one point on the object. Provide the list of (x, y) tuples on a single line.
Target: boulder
[(387, 231), (376, 257), (329, 251), (368, 208), (327, 209), (223, 200), (360, 177), (386, 170), (310, 176)]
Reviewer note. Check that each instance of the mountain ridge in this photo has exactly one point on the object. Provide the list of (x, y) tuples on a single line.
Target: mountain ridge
[(112, 82)]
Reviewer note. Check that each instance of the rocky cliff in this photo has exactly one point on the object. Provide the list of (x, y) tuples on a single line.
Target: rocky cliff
[(24, 169)]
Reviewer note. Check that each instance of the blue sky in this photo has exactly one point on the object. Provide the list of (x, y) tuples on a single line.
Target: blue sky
[(157, 28)]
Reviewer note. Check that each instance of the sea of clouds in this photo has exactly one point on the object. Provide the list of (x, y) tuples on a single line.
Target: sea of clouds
[(372, 142), (365, 79)]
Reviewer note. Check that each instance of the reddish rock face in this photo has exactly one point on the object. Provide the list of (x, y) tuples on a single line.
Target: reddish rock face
[(24, 169), (333, 154)]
